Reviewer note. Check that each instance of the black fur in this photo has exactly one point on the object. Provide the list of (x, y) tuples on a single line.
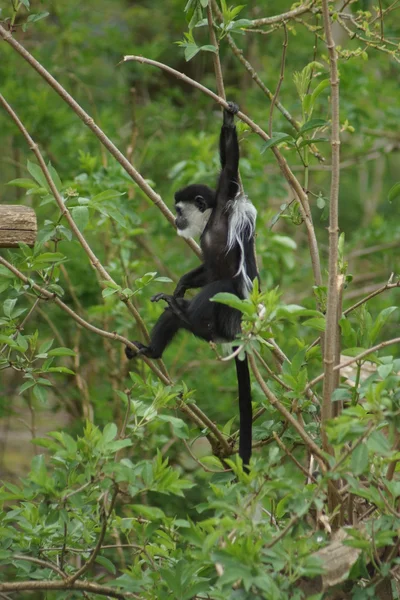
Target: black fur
[(219, 272)]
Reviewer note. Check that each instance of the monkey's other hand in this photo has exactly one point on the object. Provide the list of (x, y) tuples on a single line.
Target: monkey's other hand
[(130, 353), (233, 108), (160, 296)]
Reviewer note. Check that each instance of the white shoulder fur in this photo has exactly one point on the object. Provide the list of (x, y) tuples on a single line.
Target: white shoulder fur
[(242, 222)]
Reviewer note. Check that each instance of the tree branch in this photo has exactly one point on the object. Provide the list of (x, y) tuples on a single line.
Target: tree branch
[(332, 301), (285, 413), (283, 17)]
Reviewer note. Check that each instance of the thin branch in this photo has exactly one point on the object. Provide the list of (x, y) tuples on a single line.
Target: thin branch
[(285, 413), (286, 171), (89, 122), (283, 17), (380, 290), (332, 301), (105, 518), (281, 76), (355, 359), (42, 563), (196, 460), (84, 586), (290, 455), (217, 63)]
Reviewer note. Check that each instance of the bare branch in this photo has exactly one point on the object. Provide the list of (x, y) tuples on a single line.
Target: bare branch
[(333, 289), (300, 10), (281, 76), (217, 63), (84, 586), (354, 359)]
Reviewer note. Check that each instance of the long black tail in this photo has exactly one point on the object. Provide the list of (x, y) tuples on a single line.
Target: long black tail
[(245, 411)]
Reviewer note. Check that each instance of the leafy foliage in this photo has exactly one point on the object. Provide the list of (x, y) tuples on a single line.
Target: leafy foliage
[(126, 478)]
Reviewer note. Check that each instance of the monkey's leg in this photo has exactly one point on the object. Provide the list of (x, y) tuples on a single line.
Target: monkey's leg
[(161, 335), (176, 305)]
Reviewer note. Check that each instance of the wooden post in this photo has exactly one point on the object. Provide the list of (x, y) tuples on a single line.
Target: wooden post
[(17, 224)]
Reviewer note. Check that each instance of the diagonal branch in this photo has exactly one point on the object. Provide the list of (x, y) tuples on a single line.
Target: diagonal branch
[(290, 14), (89, 122)]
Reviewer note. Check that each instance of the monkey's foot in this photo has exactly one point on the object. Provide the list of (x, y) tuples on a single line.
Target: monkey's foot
[(162, 296)]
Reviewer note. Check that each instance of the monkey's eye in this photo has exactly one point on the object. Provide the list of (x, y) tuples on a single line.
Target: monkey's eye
[(178, 210)]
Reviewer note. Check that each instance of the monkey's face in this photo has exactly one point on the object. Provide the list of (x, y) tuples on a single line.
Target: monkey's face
[(193, 206), (191, 217)]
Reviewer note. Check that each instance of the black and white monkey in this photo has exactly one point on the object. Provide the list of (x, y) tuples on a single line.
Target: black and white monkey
[(224, 219)]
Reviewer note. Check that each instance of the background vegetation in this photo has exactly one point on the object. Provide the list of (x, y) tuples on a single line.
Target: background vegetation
[(121, 480)]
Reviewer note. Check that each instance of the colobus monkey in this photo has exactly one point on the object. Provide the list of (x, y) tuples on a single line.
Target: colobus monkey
[(224, 219)]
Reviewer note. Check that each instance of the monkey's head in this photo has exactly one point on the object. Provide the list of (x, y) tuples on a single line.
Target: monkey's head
[(193, 207)]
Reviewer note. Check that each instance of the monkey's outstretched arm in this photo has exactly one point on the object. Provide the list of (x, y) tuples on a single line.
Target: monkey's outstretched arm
[(229, 154)]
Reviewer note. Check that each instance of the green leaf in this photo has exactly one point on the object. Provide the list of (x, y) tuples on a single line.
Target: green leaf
[(312, 124), (38, 175), (312, 141), (38, 472), (106, 195), (394, 192), (359, 459), (209, 48), (23, 182), (244, 306), (380, 322), (190, 51), (319, 89), (61, 352), (276, 138), (318, 324), (107, 564), (148, 512), (8, 306), (109, 433), (80, 214)]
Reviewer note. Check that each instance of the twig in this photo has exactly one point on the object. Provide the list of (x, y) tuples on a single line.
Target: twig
[(332, 300), (380, 290), (283, 17), (290, 455), (47, 585), (217, 63), (42, 563), (286, 414), (281, 76), (356, 358), (105, 518)]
